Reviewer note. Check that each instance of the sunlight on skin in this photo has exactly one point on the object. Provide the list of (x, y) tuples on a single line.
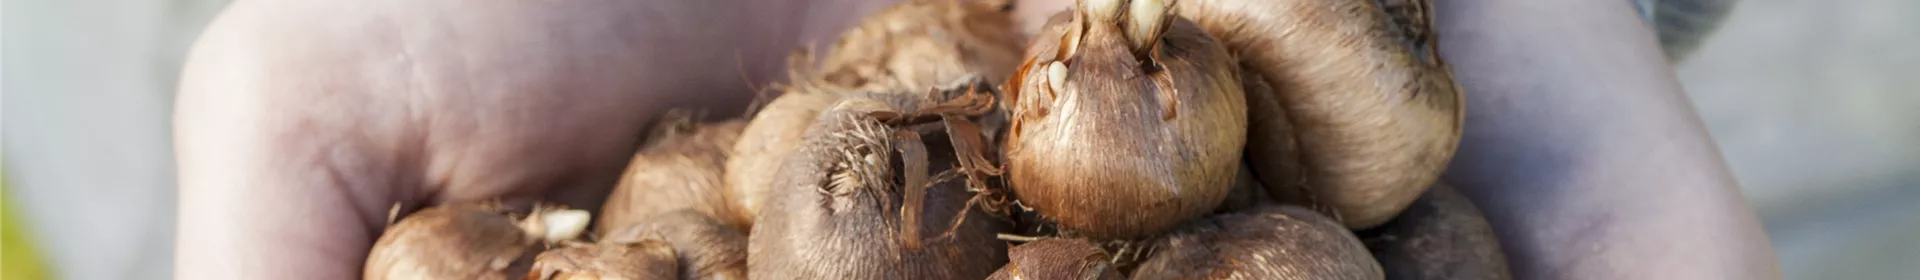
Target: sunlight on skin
[(299, 123)]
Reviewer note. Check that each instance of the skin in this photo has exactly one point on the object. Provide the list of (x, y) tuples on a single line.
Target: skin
[(1584, 152), (300, 123)]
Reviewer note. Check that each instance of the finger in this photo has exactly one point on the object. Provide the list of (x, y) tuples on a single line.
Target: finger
[(1583, 151), (1032, 14), (300, 123), (266, 192)]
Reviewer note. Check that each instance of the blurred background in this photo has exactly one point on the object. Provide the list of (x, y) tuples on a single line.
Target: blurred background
[(1815, 104)]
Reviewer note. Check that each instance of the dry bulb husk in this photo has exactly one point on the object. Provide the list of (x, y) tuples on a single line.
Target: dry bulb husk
[(772, 135), (1125, 121), (1142, 139), (644, 260), (468, 241), (679, 168), (910, 47), (922, 44), (703, 247), (1271, 242), (879, 190), (1371, 107), (1058, 258), (1441, 236)]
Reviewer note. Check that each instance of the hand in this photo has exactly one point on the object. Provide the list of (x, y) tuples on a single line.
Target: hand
[(1581, 148), (300, 123)]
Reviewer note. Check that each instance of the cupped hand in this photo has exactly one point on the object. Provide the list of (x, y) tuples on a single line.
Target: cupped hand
[(299, 124)]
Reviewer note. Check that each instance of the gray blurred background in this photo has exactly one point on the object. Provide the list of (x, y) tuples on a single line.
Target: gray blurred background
[(1816, 105)]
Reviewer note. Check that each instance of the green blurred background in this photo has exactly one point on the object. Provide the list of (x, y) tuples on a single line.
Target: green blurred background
[(19, 259)]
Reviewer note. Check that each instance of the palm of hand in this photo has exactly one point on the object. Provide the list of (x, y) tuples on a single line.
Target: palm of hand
[(300, 124)]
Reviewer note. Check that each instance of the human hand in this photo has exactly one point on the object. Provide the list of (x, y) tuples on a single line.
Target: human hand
[(1583, 150), (300, 123), (1580, 147)]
